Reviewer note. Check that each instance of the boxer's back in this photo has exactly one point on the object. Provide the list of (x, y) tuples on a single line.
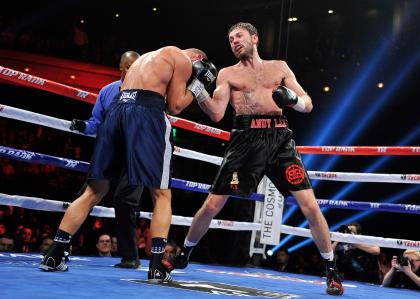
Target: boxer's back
[(153, 70)]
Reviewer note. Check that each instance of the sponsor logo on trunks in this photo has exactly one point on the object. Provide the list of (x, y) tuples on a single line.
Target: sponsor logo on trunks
[(127, 96), (263, 123), (217, 288), (295, 174), (234, 183)]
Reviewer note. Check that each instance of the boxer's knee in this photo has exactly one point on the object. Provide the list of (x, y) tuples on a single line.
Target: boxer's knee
[(308, 204), (96, 190)]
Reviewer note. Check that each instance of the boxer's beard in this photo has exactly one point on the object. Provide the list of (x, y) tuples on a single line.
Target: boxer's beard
[(245, 54)]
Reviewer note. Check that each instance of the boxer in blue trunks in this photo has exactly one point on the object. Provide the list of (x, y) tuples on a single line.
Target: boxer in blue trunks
[(127, 198), (135, 137)]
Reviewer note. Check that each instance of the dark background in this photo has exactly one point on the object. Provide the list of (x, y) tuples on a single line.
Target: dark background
[(362, 43)]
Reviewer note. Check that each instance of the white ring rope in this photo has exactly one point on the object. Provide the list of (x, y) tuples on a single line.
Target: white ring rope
[(98, 211), (60, 124), (48, 205)]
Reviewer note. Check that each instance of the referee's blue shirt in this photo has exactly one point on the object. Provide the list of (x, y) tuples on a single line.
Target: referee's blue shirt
[(105, 97)]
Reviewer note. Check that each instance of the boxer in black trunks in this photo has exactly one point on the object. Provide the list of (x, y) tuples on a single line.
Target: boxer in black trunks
[(261, 142), (136, 137)]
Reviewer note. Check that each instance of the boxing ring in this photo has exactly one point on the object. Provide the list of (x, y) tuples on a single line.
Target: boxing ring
[(90, 276)]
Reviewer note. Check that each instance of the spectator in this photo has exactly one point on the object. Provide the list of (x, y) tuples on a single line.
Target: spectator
[(45, 245), (144, 238), (282, 262), (315, 265), (404, 272), (104, 245), (384, 266), (301, 264), (23, 241), (171, 251), (357, 261), (114, 246), (93, 233), (80, 40), (3, 230), (6, 244), (46, 232)]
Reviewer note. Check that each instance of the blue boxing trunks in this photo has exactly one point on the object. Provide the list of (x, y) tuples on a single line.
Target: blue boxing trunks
[(135, 135)]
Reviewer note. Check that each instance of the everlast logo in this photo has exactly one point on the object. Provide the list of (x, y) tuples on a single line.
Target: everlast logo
[(263, 123), (126, 96), (209, 76)]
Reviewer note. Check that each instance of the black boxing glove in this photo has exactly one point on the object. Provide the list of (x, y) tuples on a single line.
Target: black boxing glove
[(78, 125), (285, 97), (203, 74)]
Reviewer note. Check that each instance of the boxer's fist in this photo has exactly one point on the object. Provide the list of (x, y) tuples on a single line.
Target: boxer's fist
[(78, 125), (203, 74), (204, 71), (284, 97)]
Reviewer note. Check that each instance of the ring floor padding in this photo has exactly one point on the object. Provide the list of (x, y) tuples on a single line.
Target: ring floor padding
[(95, 277)]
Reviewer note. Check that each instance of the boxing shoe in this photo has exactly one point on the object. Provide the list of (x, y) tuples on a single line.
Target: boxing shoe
[(181, 261), (334, 286), (160, 273), (128, 264), (55, 262)]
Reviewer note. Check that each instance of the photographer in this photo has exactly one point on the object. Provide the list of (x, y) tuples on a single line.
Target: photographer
[(405, 271), (356, 261)]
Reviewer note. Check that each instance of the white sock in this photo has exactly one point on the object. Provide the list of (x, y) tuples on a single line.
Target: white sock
[(328, 255), (189, 244)]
